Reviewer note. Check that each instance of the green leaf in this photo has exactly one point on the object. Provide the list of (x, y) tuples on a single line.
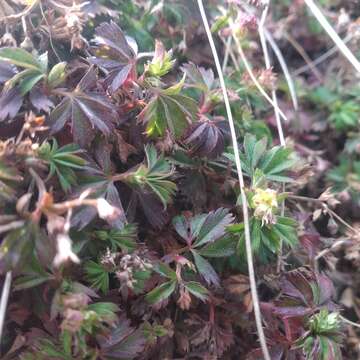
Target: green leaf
[(286, 232), (197, 290), (220, 23), (50, 349), (106, 311), (168, 110), (66, 342), (29, 82), (175, 89), (19, 77), (62, 162), (273, 158), (165, 270), (124, 239), (188, 229), (161, 292), (220, 248), (255, 235), (161, 63), (30, 281), (235, 228), (17, 246), (21, 58), (214, 226), (205, 269), (57, 74), (97, 276), (261, 164), (154, 176)]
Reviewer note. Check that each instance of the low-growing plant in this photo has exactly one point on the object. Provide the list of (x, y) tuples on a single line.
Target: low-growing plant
[(123, 232)]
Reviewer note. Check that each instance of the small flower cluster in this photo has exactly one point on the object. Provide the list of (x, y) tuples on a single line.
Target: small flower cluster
[(264, 203), (128, 265)]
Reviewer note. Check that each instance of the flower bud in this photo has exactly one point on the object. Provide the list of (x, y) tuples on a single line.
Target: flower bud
[(107, 211), (64, 251)]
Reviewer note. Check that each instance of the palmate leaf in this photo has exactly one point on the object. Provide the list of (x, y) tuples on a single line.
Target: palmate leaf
[(197, 290), (154, 176), (17, 83), (222, 247), (161, 292), (165, 271), (32, 273), (62, 162), (266, 240), (10, 103), (97, 276), (105, 311), (199, 77), (123, 343), (86, 110), (161, 63), (209, 230), (168, 110), (35, 69), (205, 269), (271, 163), (7, 71), (206, 139), (203, 228), (214, 226), (120, 239), (21, 58), (115, 53)]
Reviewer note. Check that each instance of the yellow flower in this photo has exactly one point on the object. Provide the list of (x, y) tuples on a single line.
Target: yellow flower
[(265, 204)]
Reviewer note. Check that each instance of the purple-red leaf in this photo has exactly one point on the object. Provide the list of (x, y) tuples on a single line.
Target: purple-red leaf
[(85, 110)]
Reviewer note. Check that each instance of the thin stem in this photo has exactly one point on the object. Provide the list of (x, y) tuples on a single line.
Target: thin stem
[(249, 70), (349, 321), (4, 300), (145, 54), (340, 219), (277, 115), (50, 36), (67, 205), (326, 208), (119, 177), (232, 55), (297, 46), (21, 14), (227, 52), (332, 33), (268, 67), (251, 270), (284, 68), (331, 248), (281, 60), (323, 57)]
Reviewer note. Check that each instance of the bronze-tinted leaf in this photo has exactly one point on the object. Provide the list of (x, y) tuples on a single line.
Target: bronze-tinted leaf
[(85, 110)]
